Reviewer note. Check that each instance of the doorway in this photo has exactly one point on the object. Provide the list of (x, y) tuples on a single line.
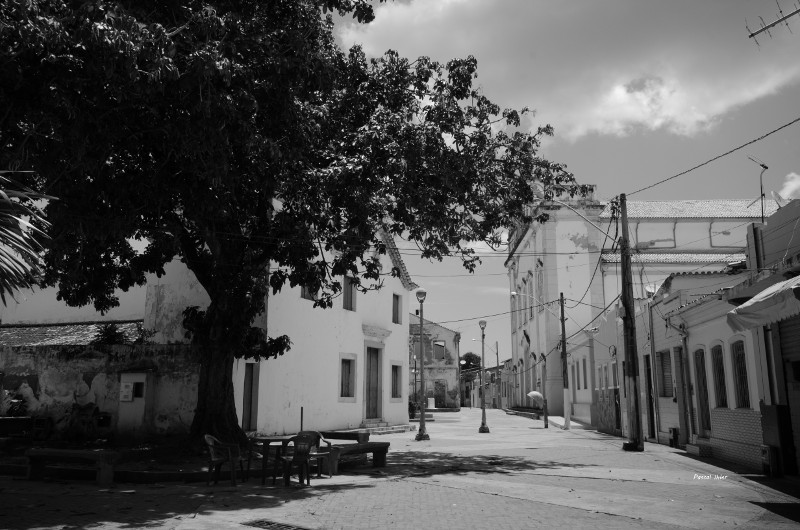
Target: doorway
[(440, 393), (651, 409), (250, 398), (373, 383), (702, 394)]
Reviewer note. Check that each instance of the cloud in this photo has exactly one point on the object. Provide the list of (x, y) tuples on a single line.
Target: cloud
[(791, 186), (609, 68)]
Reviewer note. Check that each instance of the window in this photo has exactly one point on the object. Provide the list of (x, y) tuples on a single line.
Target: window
[(397, 307), (514, 312), (614, 373), (525, 302), (138, 389), (540, 286), (349, 294), (605, 376), (574, 379), (665, 373), (438, 349), (348, 379), (718, 366), (740, 375), (396, 381), (305, 293), (530, 297), (599, 378), (585, 383)]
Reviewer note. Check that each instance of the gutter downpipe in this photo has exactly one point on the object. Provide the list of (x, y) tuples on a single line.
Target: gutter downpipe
[(688, 426)]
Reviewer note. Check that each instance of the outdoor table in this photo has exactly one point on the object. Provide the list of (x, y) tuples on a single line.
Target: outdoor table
[(265, 442)]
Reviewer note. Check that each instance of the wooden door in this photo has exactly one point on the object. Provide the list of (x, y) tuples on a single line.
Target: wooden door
[(249, 398), (704, 414), (651, 410), (373, 382)]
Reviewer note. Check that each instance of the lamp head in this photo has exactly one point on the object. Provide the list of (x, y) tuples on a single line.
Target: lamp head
[(513, 293), (421, 294), (482, 324)]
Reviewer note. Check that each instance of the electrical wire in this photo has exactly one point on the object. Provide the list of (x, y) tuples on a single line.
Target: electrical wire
[(717, 157)]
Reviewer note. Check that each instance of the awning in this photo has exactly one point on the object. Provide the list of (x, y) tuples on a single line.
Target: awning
[(777, 302)]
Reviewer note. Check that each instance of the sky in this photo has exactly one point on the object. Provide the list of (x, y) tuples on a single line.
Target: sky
[(636, 90)]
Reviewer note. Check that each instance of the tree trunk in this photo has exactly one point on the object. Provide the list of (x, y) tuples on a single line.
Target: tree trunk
[(216, 410)]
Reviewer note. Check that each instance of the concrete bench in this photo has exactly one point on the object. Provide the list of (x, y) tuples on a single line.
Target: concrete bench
[(104, 461), (379, 451), (359, 436)]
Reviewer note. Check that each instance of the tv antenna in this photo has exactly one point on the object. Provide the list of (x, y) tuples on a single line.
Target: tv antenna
[(760, 183), (765, 27)]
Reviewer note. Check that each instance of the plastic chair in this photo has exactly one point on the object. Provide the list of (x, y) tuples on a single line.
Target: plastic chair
[(320, 454), (302, 444), (220, 453)]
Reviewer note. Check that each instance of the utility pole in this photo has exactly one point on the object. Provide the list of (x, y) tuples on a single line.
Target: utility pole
[(499, 373), (635, 439), (564, 372)]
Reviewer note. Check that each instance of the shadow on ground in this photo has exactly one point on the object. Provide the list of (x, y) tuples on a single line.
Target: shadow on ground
[(72, 505), (417, 463)]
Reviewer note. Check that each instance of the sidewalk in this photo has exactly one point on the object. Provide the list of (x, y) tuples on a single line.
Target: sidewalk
[(517, 476)]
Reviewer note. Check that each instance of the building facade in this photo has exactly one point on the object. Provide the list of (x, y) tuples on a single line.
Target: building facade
[(347, 367), (574, 255), (441, 353)]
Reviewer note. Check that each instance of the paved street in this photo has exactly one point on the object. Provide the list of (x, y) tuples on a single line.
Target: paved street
[(517, 476)]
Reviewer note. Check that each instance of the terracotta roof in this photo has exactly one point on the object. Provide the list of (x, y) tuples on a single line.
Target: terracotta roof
[(675, 257), (70, 334), (694, 209), (397, 261)]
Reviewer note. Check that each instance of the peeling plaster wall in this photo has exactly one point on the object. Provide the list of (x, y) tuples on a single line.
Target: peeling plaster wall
[(167, 297), (52, 378), (444, 369)]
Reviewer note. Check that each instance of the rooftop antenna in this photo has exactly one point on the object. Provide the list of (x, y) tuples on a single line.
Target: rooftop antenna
[(765, 27), (760, 182)]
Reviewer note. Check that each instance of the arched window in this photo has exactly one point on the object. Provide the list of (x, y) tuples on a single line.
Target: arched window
[(718, 366), (739, 364)]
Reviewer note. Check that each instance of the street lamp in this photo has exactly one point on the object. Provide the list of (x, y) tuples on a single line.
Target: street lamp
[(461, 392), (422, 434), (483, 427), (497, 358)]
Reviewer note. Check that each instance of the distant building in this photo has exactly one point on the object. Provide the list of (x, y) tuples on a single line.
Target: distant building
[(441, 355)]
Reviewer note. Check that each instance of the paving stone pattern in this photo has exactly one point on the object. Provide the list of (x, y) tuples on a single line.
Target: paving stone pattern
[(518, 476)]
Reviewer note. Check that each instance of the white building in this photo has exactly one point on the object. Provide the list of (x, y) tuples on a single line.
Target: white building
[(575, 253), (347, 367)]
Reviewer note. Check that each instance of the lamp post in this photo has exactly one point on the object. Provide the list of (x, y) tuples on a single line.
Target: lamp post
[(461, 391), (483, 427), (496, 391), (422, 434)]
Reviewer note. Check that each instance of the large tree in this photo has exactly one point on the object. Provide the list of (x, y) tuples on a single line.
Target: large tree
[(242, 140)]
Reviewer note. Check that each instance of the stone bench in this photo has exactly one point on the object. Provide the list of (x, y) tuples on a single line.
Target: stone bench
[(379, 451), (104, 461), (359, 436)]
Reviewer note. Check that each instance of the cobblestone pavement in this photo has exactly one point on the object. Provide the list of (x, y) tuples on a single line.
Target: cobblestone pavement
[(518, 476)]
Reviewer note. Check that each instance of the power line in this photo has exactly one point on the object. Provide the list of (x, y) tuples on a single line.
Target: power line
[(718, 156)]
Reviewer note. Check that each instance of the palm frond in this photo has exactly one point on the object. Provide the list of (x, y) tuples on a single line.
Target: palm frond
[(20, 235)]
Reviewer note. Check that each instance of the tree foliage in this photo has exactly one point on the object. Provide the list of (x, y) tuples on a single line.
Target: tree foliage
[(242, 140), (472, 363)]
